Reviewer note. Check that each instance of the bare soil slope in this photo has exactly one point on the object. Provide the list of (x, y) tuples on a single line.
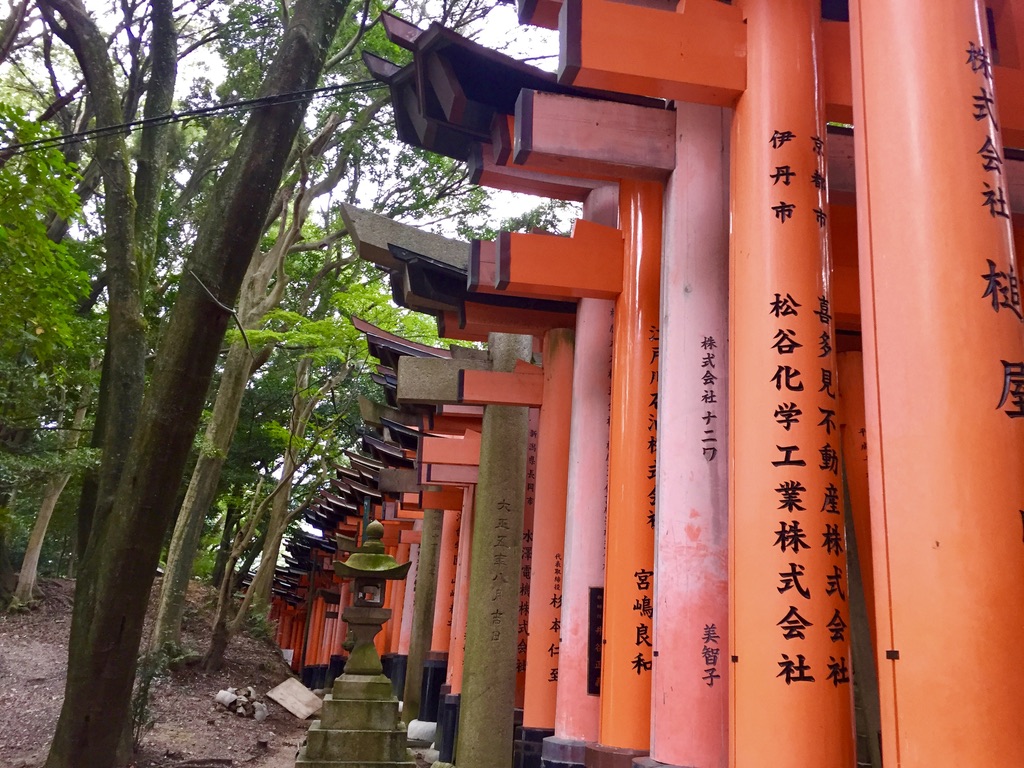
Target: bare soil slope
[(189, 729)]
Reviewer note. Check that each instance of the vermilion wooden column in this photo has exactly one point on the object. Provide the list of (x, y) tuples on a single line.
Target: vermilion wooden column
[(398, 601), (458, 646), (944, 374), (789, 623), (410, 595), (548, 567), (445, 582), (689, 724), (577, 714), (629, 565)]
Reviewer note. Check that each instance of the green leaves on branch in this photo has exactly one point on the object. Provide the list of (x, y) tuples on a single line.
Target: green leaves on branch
[(42, 283)]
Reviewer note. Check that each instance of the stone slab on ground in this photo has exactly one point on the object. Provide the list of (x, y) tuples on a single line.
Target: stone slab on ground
[(296, 698)]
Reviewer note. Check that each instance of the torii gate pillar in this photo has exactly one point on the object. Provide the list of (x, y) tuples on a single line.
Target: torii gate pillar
[(629, 565), (789, 624), (944, 373)]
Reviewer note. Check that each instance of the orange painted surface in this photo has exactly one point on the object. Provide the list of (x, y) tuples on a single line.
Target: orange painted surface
[(487, 172), (330, 627), (441, 635), (548, 567), (598, 139), (835, 71), (482, 268), (586, 265), (382, 641), (457, 648), (412, 536), (451, 450), (298, 632), (449, 497), (500, 388), (698, 54), (405, 634), (398, 601), (316, 625), (855, 461), (577, 710), (842, 225), (488, 319), (629, 564), (791, 681), (539, 13), (943, 390), (444, 474)]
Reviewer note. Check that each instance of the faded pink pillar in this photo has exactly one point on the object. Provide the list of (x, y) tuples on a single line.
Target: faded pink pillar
[(442, 636), (400, 590), (690, 694), (577, 706), (461, 601), (405, 635)]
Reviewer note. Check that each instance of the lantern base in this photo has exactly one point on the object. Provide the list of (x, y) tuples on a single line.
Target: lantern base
[(359, 727)]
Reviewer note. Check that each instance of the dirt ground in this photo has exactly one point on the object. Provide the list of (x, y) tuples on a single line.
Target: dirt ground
[(189, 729)]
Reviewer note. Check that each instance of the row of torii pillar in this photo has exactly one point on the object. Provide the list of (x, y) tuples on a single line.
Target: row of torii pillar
[(775, 323)]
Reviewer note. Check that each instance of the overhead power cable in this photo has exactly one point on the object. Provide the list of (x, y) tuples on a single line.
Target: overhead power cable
[(243, 105)]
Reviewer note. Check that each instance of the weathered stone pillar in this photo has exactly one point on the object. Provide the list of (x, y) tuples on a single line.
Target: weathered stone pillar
[(488, 690), (423, 611)]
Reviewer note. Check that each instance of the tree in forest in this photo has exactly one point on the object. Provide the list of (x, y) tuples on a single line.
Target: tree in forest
[(178, 216), (146, 444), (41, 288), (349, 152)]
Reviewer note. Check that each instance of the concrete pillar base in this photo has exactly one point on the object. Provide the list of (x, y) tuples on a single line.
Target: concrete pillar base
[(563, 753), (526, 750), (600, 756)]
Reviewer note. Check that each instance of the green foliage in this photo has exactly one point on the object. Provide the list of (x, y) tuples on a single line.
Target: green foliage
[(150, 669), (259, 625), (42, 283)]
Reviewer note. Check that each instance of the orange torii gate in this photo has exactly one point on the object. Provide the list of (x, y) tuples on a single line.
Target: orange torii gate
[(821, 261)]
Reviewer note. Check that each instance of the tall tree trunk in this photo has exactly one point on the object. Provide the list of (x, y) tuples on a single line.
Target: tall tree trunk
[(231, 517), (199, 497), (246, 561), (256, 299), (125, 545), (25, 591), (51, 494)]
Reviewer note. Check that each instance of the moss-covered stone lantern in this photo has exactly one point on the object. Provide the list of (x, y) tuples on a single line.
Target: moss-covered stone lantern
[(359, 723), (370, 568)]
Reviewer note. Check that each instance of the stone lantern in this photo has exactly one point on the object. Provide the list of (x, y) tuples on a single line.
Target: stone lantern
[(359, 722)]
